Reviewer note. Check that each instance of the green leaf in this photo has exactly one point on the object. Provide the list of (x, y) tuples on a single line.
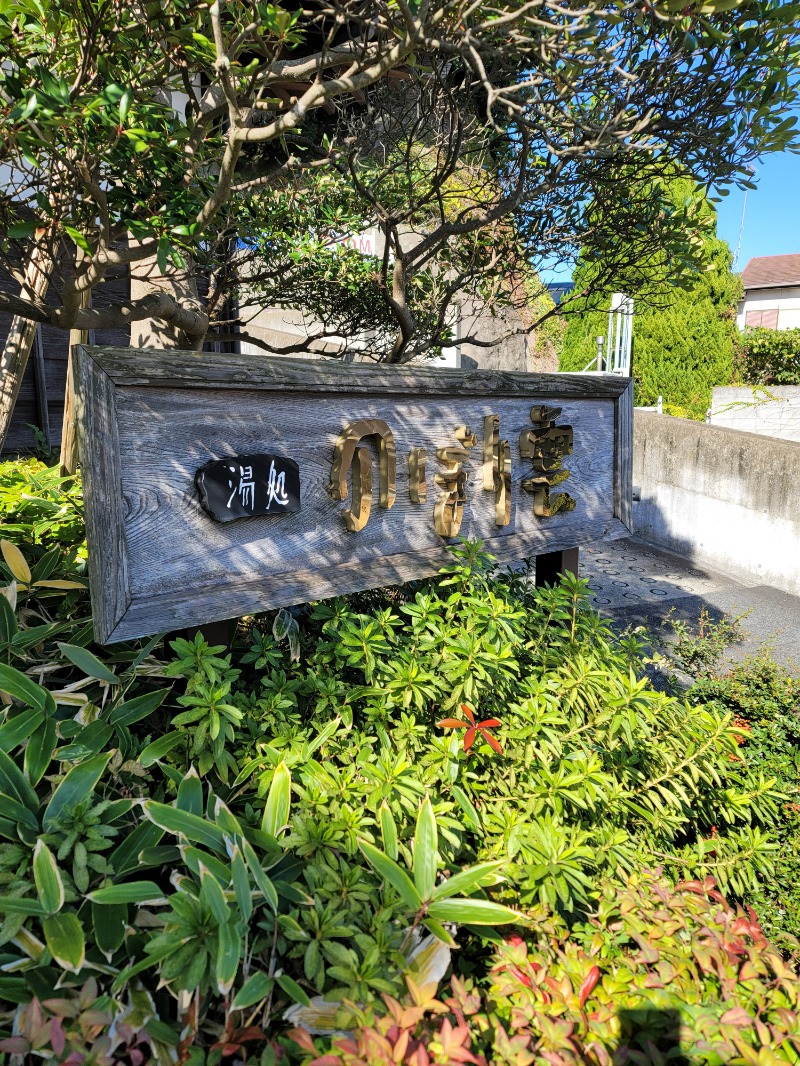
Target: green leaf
[(152, 959), (47, 878), (28, 692), (293, 990), (63, 934), (394, 874), (257, 987), (439, 932), (78, 238), (241, 884), (139, 707), (266, 886), (426, 843), (14, 783), (473, 911), (124, 105), (182, 823), (8, 621), (108, 923), (20, 230), (88, 663), (161, 747), (15, 905), (276, 810), (212, 895), (129, 892), (468, 880), (16, 729), (190, 793), (76, 786), (229, 953), (125, 857), (470, 813), (388, 831), (39, 751)]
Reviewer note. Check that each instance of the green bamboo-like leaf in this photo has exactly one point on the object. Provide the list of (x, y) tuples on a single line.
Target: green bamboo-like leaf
[(161, 747), (182, 823), (212, 895), (190, 793), (394, 874), (473, 912), (63, 934), (241, 883), (14, 813), (152, 959), (24, 689), (16, 905), (125, 857), (129, 892), (74, 789), (388, 830), (470, 813), (15, 784), (276, 810), (485, 873), (8, 621), (426, 843), (39, 751), (47, 878), (293, 990), (439, 932), (229, 953), (257, 987), (88, 663), (132, 711), (108, 924), (196, 857), (16, 729), (266, 886)]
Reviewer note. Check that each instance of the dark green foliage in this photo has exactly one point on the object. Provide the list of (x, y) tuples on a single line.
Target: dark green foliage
[(765, 702), (249, 828), (770, 357), (684, 334)]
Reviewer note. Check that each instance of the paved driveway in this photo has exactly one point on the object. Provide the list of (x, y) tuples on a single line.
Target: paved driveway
[(637, 585)]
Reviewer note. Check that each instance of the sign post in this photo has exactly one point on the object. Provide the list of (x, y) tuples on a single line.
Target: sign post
[(221, 487)]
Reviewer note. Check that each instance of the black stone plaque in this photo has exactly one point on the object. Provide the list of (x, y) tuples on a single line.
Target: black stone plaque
[(241, 486)]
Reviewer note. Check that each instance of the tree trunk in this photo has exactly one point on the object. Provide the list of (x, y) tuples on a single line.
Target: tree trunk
[(68, 463), (146, 277), (17, 348)]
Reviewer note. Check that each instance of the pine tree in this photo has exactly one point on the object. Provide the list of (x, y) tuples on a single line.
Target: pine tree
[(684, 336)]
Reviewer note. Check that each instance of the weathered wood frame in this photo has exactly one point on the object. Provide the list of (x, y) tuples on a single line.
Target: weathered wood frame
[(103, 374)]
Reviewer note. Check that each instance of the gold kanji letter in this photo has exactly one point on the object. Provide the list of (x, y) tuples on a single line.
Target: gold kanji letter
[(449, 508), (546, 445), (497, 469), (347, 455)]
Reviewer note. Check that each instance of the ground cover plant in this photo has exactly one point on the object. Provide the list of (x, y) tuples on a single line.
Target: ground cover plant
[(356, 795)]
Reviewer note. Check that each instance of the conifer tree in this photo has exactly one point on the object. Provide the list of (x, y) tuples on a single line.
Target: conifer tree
[(684, 329)]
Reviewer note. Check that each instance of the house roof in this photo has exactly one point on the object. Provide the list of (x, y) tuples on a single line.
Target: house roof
[(771, 271)]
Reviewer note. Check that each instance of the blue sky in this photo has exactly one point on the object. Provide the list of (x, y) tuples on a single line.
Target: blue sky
[(771, 217), (772, 213)]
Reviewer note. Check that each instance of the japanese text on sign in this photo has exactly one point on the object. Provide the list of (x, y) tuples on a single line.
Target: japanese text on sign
[(545, 445)]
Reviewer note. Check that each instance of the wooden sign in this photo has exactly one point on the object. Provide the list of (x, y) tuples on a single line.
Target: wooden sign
[(222, 485)]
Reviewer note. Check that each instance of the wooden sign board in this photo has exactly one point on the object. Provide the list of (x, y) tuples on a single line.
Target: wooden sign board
[(393, 463)]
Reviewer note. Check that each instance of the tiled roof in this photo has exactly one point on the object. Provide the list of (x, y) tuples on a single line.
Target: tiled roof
[(771, 271)]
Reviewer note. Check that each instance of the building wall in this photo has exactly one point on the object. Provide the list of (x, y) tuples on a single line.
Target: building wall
[(723, 498), (777, 308), (771, 410)]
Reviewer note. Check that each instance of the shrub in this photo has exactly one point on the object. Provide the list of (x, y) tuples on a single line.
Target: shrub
[(655, 974), (208, 823), (770, 357)]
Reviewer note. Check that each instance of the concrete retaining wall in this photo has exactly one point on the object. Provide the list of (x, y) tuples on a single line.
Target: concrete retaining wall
[(723, 498), (773, 410)]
